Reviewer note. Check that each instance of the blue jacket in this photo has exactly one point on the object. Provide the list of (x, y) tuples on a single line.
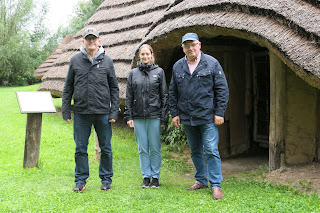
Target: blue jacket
[(197, 98)]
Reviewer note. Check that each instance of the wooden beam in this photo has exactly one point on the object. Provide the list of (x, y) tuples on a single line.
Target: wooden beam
[(32, 141), (278, 90)]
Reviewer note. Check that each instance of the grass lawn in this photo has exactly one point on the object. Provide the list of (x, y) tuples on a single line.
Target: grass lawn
[(49, 187)]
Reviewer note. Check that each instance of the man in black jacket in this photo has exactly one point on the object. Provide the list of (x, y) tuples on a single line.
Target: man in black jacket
[(92, 83), (198, 97)]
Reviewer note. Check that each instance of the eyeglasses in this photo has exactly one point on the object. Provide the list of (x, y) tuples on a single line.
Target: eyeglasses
[(91, 39), (187, 46)]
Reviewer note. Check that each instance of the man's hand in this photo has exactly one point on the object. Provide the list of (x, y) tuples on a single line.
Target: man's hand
[(112, 120), (68, 120), (130, 123), (176, 121), (218, 120)]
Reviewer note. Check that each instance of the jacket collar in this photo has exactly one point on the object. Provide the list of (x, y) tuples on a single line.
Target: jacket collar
[(146, 68), (99, 54)]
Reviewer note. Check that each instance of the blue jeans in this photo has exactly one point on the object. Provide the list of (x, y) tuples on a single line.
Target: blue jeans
[(205, 138), (147, 133), (82, 129)]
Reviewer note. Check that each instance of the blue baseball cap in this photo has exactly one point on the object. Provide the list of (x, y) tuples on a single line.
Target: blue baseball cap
[(190, 37)]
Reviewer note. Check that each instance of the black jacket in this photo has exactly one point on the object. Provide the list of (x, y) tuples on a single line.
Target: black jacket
[(197, 98), (147, 93), (93, 85)]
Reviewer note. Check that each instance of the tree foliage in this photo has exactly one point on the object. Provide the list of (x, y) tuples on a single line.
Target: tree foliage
[(21, 37), (24, 40), (83, 11)]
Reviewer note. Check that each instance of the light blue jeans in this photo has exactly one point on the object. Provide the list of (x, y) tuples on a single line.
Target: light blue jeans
[(147, 133), (205, 138)]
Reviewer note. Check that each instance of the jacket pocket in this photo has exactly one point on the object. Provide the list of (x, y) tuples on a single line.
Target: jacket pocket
[(180, 81), (205, 79)]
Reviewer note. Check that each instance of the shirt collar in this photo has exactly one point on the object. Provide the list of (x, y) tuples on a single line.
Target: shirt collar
[(197, 59)]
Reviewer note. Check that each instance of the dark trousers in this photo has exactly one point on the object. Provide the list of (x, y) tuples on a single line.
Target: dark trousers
[(82, 130)]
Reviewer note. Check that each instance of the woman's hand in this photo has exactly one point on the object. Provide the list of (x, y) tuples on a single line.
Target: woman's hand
[(130, 123)]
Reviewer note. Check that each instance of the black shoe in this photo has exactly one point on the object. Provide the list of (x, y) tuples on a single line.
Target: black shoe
[(146, 182), (105, 186), (154, 183), (80, 186)]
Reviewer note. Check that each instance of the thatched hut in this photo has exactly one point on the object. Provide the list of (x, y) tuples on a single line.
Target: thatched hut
[(270, 52)]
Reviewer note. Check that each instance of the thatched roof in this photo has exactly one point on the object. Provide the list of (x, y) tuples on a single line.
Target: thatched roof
[(289, 28), (47, 64)]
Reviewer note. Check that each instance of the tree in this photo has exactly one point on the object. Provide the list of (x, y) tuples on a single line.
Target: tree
[(20, 48), (24, 41), (84, 10)]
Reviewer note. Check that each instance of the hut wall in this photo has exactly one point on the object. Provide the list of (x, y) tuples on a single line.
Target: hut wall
[(302, 120)]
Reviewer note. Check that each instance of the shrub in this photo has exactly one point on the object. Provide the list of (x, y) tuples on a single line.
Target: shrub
[(172, 136)]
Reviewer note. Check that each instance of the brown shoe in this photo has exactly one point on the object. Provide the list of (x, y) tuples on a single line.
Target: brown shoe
[(197, 185), (217, 193)]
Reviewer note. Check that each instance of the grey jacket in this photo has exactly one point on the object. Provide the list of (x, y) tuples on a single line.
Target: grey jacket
[(93, 85)]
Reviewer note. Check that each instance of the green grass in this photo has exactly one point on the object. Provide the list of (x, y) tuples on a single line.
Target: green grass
[(49, 187)]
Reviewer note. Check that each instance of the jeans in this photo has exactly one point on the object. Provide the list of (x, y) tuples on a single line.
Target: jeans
[(82, 130), (205, 138), (147, 133)]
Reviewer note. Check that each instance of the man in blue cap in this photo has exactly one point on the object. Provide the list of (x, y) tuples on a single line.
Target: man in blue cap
[(198, 97)]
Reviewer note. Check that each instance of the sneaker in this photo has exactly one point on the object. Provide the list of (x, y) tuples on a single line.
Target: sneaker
[(146, 182), (105, 186), (154, 183), (80, 186)]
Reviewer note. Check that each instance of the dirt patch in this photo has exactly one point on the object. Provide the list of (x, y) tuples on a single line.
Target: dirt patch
[(304, 178)]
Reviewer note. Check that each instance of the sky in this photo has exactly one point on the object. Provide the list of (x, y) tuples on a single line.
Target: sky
[(59, 12)]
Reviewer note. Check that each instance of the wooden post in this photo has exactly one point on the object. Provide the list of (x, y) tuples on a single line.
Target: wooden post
[(32, 141), (97, 149), (278, 102)]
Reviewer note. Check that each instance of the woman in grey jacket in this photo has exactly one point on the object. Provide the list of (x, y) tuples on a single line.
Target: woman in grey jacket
[(146, 111)]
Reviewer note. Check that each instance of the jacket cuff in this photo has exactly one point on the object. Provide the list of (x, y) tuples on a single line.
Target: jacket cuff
[(219, 113), (113, 115), (66, 115)]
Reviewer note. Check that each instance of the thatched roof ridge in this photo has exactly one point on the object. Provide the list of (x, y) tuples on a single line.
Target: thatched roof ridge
[(300, 54), (117, 14), (302, 17)]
